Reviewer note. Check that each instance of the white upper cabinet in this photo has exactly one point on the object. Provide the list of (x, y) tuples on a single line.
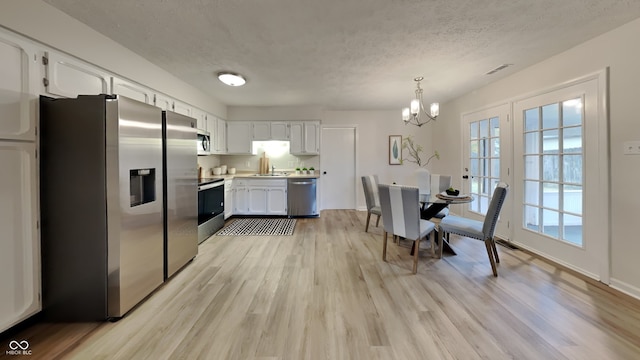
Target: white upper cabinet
[(68, 77), (20, 245), (163, 102), (279, 130), (131, 90), (261, 130), (305, 138), (201, 118), (239, 137), (182, 108), (270, 130), (220, 137), (18, 84)]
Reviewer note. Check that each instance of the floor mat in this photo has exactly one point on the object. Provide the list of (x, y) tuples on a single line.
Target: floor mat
[(251, 227)]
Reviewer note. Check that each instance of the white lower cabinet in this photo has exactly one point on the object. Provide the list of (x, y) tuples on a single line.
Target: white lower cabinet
[(20, 245), (277, 200), (260, 197), (228, 198)]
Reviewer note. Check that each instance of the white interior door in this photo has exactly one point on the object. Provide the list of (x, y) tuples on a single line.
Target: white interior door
[(561, 171), (338, 164), (486, 161)]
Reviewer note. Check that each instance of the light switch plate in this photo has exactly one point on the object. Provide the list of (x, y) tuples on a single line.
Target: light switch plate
[(632, 147)]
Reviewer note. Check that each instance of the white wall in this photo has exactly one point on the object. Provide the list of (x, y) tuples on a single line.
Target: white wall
[(620, 51), (43, 23)]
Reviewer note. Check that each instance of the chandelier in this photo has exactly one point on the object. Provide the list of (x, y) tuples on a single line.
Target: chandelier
[(413, 115)]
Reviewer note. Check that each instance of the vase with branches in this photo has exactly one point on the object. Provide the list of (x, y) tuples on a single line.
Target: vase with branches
[(414, 150)]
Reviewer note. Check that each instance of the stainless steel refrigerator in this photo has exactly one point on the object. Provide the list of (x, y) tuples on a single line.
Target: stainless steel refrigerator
[(101, 205), (180, 190)]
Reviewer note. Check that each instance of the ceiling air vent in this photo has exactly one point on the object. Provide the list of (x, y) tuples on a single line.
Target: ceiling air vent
[(503, 66)]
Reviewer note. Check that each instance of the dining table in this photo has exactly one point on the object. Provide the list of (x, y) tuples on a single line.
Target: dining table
[(432, 204)]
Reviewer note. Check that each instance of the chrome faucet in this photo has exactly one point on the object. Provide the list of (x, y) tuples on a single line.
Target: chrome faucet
[(273, 170)]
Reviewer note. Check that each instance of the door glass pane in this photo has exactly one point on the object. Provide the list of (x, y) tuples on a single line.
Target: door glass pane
[(532, 192), (550, 167), (475, 185), (531, 119), (550, 196), (572, 228), (482, 147), (495, 127), (532, 167), (572, 112), (531, 218), (495, 147), (572, 169), (550, 142), (532, 143), (475, 170), (484, 128), (550, 223), (550, 116), (473, 149), (473, 130), (572, 139), (572, 199), (495, 168)]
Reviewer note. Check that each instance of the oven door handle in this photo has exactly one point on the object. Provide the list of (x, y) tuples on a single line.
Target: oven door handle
[(211, 186)]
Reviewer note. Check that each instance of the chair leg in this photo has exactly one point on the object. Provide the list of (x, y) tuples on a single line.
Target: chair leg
[(432, 240), (495, 249), (415, 255), (384, 246), (487, 244), (440, 243), (366, 227), (378, 221)]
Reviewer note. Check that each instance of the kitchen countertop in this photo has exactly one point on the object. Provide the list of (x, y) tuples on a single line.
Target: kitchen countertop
[(279, 175)]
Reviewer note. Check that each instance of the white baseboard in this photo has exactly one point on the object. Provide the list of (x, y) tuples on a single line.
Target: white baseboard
[(625, 288)]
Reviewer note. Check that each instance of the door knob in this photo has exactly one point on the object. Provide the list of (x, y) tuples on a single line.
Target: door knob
[(465, 176)]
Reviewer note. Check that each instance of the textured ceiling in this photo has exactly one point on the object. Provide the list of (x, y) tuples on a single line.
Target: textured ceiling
[(347, 54)]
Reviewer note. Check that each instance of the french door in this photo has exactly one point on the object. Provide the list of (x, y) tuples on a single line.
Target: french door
[(560, 168), (487, 159)]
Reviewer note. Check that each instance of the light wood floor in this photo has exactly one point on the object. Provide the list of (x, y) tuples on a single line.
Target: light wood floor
[(325, 293)]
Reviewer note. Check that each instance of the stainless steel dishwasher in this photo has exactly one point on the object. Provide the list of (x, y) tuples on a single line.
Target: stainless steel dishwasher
[(301, 197)]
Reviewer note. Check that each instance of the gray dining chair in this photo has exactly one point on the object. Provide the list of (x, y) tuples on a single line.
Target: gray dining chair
[(433, 184), (481, 230), (370, 186), (401, 217)]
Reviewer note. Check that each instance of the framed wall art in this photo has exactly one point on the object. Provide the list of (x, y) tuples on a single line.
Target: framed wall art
[(395, 149)]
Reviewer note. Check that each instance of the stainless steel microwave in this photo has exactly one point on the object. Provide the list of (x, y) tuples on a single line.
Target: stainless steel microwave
[(204, 142)]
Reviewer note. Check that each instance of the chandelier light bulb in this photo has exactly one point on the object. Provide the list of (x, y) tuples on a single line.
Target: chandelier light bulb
[(405, 114), (415, 107), (435, 109)]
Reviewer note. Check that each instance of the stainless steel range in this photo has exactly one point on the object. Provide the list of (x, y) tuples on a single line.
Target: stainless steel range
[(210, 207)]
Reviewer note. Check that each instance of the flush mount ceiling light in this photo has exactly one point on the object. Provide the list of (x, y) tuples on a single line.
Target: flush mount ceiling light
[(231, 79), (413, 115)]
